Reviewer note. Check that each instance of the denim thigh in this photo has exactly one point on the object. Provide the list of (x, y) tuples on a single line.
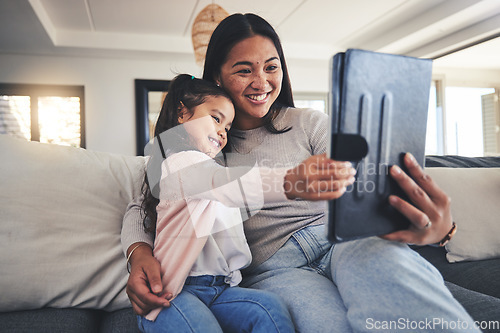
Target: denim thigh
[(249, 310), (186, 313), (295, 273)]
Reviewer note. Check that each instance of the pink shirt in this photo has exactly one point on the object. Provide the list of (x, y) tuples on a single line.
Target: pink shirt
[(199, 229)]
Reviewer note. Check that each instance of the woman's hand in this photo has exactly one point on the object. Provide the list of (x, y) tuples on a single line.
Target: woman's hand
[(318, 178), (144, 283), (429, 211)]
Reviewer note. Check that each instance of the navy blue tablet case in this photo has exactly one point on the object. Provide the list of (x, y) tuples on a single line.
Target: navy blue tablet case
[(384, 99)]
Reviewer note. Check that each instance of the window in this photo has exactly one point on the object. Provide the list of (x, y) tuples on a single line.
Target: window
[(45, 113), (434, 143), (491, 123), (316, 101), (462, 121), (464, 126)]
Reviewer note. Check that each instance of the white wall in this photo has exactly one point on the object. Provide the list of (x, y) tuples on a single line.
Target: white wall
[(466, 77), (109, 86), (109, 90)]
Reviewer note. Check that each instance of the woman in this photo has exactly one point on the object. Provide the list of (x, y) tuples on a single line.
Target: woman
[(353, 286)]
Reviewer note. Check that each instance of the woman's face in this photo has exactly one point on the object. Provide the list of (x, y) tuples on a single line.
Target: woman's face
[(252, 75), (208, 124)]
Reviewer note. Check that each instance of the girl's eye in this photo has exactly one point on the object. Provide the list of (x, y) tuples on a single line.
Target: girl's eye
[(216, 119), (272, 68)]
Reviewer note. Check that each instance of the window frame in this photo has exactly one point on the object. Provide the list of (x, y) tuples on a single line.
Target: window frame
[(142, 89)]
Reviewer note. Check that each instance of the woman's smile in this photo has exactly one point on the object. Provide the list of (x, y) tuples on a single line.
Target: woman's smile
[(261, 98)]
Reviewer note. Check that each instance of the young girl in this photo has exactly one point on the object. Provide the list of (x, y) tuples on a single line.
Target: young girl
[(199, 241)]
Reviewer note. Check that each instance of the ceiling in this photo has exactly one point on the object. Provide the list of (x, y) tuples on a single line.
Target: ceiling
[(309, 29)]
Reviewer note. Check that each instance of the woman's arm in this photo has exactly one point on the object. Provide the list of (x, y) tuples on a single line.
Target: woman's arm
[(144, 282), (144, 268), (429, 210), (133, 228)]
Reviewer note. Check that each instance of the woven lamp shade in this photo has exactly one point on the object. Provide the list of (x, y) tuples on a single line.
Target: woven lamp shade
[(203, 26)]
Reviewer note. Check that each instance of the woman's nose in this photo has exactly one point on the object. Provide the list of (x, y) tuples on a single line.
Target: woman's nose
[(260, 81)]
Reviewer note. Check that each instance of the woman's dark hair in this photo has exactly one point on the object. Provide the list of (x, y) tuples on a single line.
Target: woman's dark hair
[(184, 91), (231, 31)]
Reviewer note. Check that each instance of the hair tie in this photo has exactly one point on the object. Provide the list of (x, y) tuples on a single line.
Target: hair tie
[(192, 77)]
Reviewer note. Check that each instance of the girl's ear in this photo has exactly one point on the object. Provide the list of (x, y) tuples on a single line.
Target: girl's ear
[(217, 80), (182, 114)]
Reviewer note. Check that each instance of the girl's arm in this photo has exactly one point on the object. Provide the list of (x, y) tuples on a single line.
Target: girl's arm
[(192, 174)]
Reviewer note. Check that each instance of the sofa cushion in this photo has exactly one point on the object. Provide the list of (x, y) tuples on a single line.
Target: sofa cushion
[(475, 194), (61, 211), (484, 309), (120, 321), (480, 275), (50, 320)]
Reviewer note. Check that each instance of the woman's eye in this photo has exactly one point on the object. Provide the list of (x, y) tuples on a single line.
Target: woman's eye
[(216, 119), (243, 71), (272, 68)]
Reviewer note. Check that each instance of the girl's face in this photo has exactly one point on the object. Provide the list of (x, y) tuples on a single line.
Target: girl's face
[(208, 124), (252, 75)]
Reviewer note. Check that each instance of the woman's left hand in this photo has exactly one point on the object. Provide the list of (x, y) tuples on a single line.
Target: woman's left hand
[(429, 210)]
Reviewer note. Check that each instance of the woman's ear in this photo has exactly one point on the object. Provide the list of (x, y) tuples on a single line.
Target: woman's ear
[(217, 81)]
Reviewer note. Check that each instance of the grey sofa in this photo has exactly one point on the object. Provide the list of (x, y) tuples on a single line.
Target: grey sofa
[(70, 275)]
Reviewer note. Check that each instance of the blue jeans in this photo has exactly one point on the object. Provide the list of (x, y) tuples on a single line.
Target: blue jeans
[(208, 304), (368, 285)]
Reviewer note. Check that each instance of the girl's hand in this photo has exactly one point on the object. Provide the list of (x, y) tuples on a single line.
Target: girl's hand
[(318, 178), (144, 283), (429, 211)]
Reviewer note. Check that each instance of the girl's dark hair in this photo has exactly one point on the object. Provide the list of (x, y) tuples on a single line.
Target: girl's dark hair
[(183, 91), (228, 33)]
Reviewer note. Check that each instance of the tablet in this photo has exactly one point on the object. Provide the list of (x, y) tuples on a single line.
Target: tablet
[(383, 99)]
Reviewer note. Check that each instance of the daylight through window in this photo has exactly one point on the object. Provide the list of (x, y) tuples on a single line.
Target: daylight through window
[(49, 114)]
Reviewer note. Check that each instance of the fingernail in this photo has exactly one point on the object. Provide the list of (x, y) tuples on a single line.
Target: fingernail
[(411, 157), (396, 170), (392, 199)]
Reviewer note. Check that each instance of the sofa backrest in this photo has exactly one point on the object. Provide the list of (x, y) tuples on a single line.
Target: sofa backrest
[(61, 211)]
